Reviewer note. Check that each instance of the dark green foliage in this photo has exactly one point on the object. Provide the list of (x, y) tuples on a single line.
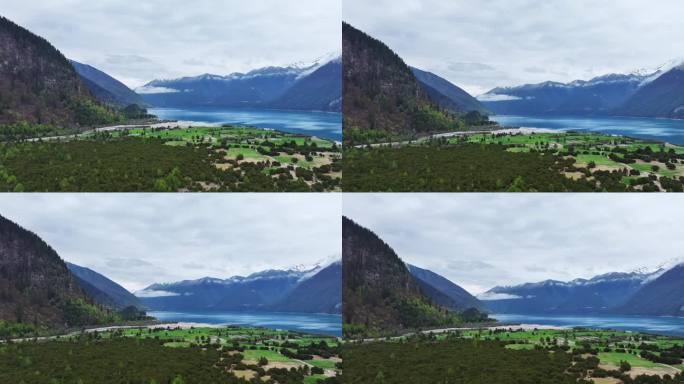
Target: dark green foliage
[(78, 312), (134, 111), (469, 167), (120, 360), (454, 361)]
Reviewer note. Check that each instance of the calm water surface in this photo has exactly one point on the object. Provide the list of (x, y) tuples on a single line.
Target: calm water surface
[(648, 324), (321, 124), (303, 322), (671, 131)]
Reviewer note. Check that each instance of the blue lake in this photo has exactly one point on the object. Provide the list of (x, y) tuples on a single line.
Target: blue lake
[(322, 124), (302, 322), (671, 131), (648, 324)]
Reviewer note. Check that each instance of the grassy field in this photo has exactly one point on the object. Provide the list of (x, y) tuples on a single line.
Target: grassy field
[(522, 356), (229, 158), (209, 355), (592, 161)]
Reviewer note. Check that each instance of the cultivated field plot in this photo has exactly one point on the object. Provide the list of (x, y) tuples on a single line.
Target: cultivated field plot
[(166, 159), (517, 161), (175, 355), (522, 356)]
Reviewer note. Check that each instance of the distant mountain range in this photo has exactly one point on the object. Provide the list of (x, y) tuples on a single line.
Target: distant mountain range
[(657, 93), (313, 290), (647, 293), (310, 86), (103, 290), (106, 88), (382, 294), (447, 95)]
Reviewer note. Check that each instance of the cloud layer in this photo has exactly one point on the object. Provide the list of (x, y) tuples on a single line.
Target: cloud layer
[(139, 239), (483, 240), (483, 44), (140, 41)]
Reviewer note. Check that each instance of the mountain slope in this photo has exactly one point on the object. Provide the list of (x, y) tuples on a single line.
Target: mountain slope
[(35, 284), (320, 90), (599, 294), (379, 293), (380, 91), (101, 289), (662, 97), (447, 95), (39, 85), (663, 296), (106, 88), (461, 299), (307, 86), (320, 293)]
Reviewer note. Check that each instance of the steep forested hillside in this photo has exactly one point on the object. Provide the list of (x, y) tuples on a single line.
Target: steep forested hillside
[(379, 293), (36, 286), (38, 85), (380, 91)]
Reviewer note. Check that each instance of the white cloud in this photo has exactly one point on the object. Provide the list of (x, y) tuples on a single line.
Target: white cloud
[(497, 97), (497, 296), (485, 44), (140, 239), (480, 241), (139, 42), (148, 90)]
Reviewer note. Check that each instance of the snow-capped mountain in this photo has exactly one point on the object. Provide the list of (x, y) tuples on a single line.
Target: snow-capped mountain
[(271, 289), (600, 293), (302, 86), (644, 92)]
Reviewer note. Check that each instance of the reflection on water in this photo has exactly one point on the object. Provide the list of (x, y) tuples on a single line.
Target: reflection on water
[(649, 324), (321, 124), (303, 322), (671, 131)]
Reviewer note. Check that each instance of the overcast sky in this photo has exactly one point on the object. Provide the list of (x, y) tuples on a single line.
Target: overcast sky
[(482, 240), (139, 239), (482, 44), (138, 41)]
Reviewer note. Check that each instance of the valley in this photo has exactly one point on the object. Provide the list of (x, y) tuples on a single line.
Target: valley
[(409, 130)]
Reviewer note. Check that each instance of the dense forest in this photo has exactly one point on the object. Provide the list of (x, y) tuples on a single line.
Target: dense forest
[(113, 164), (466, 168)]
